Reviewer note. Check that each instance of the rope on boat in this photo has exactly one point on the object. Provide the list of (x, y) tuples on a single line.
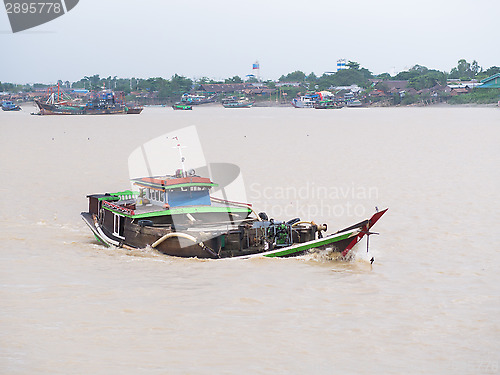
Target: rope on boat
[(237, 204), (170, 235), (303, 222), (188, 237)]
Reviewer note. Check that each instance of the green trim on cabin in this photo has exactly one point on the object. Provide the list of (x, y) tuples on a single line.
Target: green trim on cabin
[(184, 210), (292, 249), (119, 195)]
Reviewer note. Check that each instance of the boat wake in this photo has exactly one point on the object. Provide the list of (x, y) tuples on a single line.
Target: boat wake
[(327, 255)]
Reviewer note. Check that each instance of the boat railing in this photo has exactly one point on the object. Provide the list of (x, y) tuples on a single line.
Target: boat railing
[(119, 208), (126, 195)]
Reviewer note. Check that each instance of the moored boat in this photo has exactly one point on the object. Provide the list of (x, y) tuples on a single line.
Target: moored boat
[(305, 101), (327, 104), (197, 99), (134, 110), (233, 102), (353, 103), (10, 106), (104, 102), (181, 106)]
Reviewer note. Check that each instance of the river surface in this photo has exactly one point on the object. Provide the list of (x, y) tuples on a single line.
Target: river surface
[(429, 304)]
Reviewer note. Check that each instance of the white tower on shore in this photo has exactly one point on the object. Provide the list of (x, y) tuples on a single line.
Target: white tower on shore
[(341, 64), (256, 69)]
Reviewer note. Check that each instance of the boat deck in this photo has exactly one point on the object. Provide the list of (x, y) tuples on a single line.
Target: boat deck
[(129, 207)]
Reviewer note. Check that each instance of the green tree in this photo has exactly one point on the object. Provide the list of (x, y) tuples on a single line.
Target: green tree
[(475, 68), (413, 72), (353, 65), (270, 84), (180, 84), (312, 78), (384, 76), (92, 82), (252, 79), (492, 71), (463, 70), (345, 77), (427, 80), (297, 76), (235, 79)]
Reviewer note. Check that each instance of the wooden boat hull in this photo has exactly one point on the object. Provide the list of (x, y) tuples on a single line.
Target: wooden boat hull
[(167, 240), (56, 109), (134, 110)]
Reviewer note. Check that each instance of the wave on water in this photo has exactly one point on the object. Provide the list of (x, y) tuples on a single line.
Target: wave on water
[(328, 255)]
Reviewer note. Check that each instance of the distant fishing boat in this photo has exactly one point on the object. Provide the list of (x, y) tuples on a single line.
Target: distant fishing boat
[(327, 104), (10, 106), (104, 102), (234, 102), (305, 101), (182, 107), (196, 99)]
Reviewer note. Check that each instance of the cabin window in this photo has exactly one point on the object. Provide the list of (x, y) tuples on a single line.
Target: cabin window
[(118, 225), (189, 198)]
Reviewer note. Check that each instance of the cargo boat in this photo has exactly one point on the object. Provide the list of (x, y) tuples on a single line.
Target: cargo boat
[(178, 216)]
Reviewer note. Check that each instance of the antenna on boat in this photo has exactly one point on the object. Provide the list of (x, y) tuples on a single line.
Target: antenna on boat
[(179, 147)]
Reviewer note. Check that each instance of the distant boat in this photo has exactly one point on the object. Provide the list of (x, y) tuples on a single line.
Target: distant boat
[(182, 107), (305, 101), (104, 102), (195, 99), (327, 104), (10, 106), (234, 102), (354, 103), (134, 110)]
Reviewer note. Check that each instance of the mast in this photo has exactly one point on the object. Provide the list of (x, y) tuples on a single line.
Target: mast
[(179, 147)]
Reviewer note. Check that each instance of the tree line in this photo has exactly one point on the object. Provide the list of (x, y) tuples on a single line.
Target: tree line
[(419, 77)]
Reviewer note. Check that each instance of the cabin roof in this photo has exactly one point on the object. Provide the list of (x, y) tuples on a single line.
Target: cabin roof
[(169, 182)]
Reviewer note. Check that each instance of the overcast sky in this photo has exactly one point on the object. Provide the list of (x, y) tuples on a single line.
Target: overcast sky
[(219, 38)]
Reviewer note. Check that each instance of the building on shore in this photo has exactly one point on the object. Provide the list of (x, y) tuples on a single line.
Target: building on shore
[(341, 64), (492, 82)]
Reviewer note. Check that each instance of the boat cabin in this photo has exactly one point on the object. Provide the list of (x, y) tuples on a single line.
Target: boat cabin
[(173, 191)]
